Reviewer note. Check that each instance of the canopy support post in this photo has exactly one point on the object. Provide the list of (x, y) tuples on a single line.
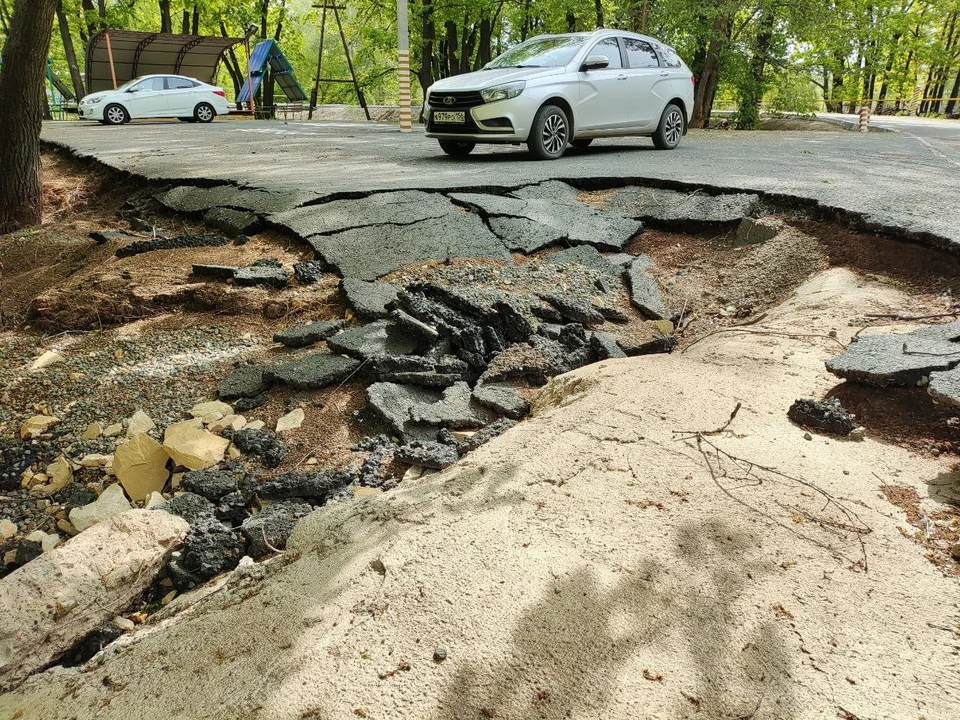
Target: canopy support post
[(113, 72)]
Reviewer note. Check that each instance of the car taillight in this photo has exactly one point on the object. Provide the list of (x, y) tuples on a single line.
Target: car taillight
[(693, 80), (219, 92)]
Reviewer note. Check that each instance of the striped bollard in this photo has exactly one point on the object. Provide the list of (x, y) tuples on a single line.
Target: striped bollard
[(864, 117), (403, 45)]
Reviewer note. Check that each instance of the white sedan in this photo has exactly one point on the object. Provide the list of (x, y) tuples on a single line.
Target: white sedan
[(156, 96)]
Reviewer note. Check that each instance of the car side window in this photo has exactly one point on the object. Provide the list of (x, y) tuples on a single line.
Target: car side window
[(669, 56), (148, 85), (640, 54), (175, 83), (610, 49)]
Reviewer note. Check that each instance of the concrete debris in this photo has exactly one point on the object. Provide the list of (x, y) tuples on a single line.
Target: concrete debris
[(311, 372), (212, 484), (37, 425), (753, 232), (528, 225), (309, 272), (192, 446), (669, 208), (369, 300), (316, 487), (645, 292), (262, 274), (141, 466), (54, 601), (231, 222), (50, 357), (175, 243), (209, 549), (588, 256), (370, 253), (291, 421), (189, 506), (246, 381), (502, 398), (138, 423), (262, 444), (828, 416), (298, 336), (373, 340), (945, 386), (903, 360), (267, 531), (112, 501), (426, 454), (218, 272)]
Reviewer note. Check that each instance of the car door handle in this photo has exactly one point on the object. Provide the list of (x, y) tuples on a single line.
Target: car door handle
[(664, 73), (621, 77)]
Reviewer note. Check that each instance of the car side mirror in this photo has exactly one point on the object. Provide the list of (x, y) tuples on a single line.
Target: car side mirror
[(596, 62)]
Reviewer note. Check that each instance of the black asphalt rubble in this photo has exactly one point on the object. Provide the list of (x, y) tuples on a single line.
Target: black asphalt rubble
[(828, 416), (929, 355), (303, 335)]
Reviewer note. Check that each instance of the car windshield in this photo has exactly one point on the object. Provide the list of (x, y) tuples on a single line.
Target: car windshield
[(541, 52), (129, 84)]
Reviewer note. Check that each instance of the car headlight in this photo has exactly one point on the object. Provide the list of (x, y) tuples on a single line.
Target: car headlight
[(503, 92), (94, 101)]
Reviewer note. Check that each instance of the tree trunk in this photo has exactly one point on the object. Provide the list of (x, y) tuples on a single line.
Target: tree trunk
[(196, 19), (428, 36), (185, 23), (751, 93), (166, 22), (22, 99), (68, 50), (90, 16), (571, 22), (233, 67), (598, 5), (954, 94), (485, 50), (706, 89)]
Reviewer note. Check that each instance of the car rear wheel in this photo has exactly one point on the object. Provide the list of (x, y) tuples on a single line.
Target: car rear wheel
[(115, 115), (204, 113), (549, 133), (581, 143), (670, 129), (457, 148)]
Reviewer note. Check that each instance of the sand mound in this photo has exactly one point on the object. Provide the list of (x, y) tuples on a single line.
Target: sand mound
[(587, 564)]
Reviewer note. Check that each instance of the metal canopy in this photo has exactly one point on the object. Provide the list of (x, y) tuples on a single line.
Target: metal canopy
[(142, 53)]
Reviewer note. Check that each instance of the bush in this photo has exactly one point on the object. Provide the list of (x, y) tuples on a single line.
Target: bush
[(793, 94)]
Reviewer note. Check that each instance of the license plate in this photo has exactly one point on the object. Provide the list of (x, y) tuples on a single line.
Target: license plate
[(449, 117)]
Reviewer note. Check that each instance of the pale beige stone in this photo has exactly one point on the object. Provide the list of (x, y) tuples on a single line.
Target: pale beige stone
[(96, 460), (48, 541), (7, 529), (255, 425), (153, 500), (93, 431), (139, 423), (60, 597), (212, 407), (113, 430), (37, 425), (193, 447), (111, 502), (291, 421), (141, 466), (50, 357), (58, 475)]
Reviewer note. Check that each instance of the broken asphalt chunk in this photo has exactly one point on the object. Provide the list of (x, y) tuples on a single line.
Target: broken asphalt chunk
[(303, 335), (373, 340), (369, 299), (645, 292), (427, 454), (828, 416), (311, 372)]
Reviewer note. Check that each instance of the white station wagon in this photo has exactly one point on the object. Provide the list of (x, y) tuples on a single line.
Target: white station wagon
[(156, 96), (558, 90)]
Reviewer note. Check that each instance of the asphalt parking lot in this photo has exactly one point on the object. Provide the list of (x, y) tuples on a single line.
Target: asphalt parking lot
[(894, 180)]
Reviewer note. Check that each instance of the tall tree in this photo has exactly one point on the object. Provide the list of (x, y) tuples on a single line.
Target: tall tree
[(23, 99), (68, 50)]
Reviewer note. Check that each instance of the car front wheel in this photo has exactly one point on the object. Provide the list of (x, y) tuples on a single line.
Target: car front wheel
[(457, 148), (204, 113), (549, 134), (115, 115), (670, 129)]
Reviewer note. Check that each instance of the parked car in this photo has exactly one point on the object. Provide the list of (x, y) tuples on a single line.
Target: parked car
[(156, 96), (558, 90)]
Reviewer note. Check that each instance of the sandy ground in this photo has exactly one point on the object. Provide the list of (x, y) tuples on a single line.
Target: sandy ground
[(591, 563)]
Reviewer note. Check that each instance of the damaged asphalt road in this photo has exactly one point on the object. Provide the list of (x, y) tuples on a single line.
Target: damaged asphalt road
[(889, 180)]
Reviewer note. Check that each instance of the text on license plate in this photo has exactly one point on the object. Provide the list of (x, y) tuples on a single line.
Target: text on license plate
[(449, 117)]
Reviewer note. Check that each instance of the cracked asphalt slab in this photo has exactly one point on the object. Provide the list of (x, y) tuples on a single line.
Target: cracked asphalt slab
[(890, 181)]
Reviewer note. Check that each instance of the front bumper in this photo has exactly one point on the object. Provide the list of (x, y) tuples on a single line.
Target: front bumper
[(91, 112), (506, 121)]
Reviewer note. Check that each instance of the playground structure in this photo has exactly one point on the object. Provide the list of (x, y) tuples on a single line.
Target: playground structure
[(267, 61)]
